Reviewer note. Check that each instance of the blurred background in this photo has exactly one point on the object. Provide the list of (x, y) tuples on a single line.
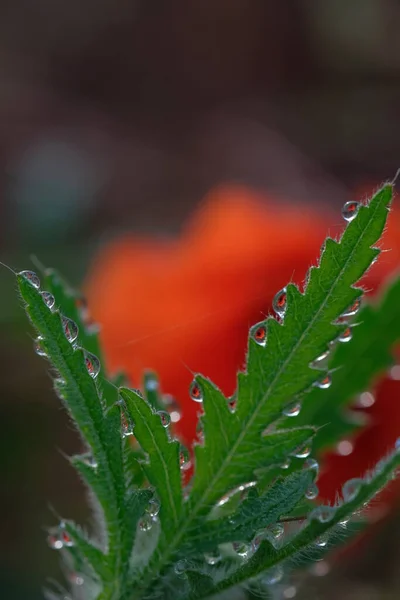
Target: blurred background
[(121, 116)]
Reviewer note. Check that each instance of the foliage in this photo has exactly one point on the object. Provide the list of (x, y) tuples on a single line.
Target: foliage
[(170, 528)]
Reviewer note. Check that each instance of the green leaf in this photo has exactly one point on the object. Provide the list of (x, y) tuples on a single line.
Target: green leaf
[(255, 513), (162, 468), (358, 363), (322, 521), (237, 443)]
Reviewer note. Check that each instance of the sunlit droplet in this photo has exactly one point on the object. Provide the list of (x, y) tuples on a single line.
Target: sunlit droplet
[(324, 383), (350, 210), (126, 425), (303, 451), (346, 335), (275, 531), (92, 364), (292, 410), (345, 447), (184, 458), (320, 361), (353, 309), (322, 541), (165, 417), (70, 329), (48, 299), (31, 277), (323, 514), (259, 334), (195, 392), (286, 464), (279, 302)]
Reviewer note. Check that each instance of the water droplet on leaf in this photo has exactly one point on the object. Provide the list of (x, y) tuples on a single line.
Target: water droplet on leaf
[(259, 334), (323, 514), (242, 549), (346, 335), (66, 539), (320, 361), (273, 576), (324, 383), (180, 567), (311, 464), (350, 210), (195, 392), (353, 309), (311, 492), (146, 523), (351, 488), (302, 451), (38, 346), (153, 507), (322, 541), (70, 329), (31, 277), (126, 425), (212, 558), (48, 299), (286, 464), (184, 458), (292, 410), (274, 532), (279, 302), (165, 417), (92, 364)]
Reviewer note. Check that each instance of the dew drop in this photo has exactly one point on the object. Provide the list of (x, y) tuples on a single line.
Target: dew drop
[(126, 425), (323, 514), (259, 334), (76, 579), (180, 567), (279, 302), (273, 576), (31, 277), (324, 383), (286, 464), (195, 392), (92, 364), (311, 492), (38, 346), (345, 447), (311, 464), (322, 541), (212, 558), (292, 410), (153, 507), (275, 531), (351, 488), (54, 542), (184, 458), (48, 299), (66, 539), (146, 523), (353, 309), (319, 362), (242, 549), (70, 329), (345, 336), (350, 210), (302, 451), (165, 417)]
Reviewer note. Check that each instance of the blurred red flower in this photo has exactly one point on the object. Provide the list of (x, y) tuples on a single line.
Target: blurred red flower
[(186, 305)]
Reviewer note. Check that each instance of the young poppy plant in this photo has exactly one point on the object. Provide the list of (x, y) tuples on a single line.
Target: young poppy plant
[(186, 305)]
